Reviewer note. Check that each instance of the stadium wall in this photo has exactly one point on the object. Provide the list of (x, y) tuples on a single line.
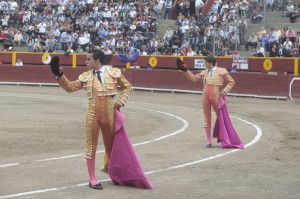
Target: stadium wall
[(254, 64), (247, 84), (260, 79)]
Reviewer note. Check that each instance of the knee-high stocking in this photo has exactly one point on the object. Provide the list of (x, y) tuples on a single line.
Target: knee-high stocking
[(91, 170), (208, 135)]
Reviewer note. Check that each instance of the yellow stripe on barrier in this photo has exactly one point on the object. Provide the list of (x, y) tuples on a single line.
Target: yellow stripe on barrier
[(296, 67), (74, 60), (14, 59)]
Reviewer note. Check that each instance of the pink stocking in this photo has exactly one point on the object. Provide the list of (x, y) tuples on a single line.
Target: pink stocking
[(208, 135), (91, 170)]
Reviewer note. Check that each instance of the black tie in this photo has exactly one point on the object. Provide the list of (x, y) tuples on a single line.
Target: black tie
[(98, 76)]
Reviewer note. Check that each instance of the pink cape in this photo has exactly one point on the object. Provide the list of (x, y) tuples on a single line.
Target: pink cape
[(224, 130), (124, 166)]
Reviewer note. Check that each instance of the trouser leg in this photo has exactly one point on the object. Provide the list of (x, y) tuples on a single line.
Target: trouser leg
[(210, 99)]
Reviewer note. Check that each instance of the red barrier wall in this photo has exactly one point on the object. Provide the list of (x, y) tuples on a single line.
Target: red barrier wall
[(255, 64), (246, 83)]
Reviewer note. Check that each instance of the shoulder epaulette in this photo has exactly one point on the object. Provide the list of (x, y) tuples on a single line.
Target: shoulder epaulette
[(114, 72), (85, 76), (221, 70)]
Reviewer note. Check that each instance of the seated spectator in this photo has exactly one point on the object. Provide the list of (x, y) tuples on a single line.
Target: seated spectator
[(289, 9), (79, 49), (19, 62), (257, 15), (135, 66), (234, 69), (280, 50), (8, 44), (261, 33), (291, 34), (270, 5), (295, 14), (252, 41), (190, 52), (287, 46), (176, 53), (265, 41), (274, 51), (18, 38), (2, 36), (148, 67), (259, 51), (156, 52), (295, 50)]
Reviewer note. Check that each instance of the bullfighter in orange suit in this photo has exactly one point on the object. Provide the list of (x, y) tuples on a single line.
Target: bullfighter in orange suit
[(101, 84), (213, 78)]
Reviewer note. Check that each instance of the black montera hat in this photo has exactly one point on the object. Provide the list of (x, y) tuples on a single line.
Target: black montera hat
[(210, 59)]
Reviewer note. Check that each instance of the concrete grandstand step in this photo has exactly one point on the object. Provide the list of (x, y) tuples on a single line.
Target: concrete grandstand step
[(21, 49), (244, 53), (167, 21), (163, 25), (272, 20), (280, 20), (274, 14), (242, 48), (295, 26)]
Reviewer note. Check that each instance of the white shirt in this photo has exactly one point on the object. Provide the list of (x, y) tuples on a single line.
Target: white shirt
[(199, 4), (42, 27), (212, 71), (102, 70), (19, 64)]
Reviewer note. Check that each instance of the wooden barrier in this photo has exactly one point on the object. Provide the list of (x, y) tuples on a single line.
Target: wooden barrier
[(246, 83), (255, 64)]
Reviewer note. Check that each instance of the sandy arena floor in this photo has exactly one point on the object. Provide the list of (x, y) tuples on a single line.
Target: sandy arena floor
[(43, 137)]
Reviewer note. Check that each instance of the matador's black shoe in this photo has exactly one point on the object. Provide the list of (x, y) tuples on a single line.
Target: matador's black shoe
[(96, 186), (209, 146)]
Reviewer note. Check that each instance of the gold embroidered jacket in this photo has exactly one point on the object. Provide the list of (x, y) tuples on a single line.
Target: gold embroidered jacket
[(113, 79), (217, 79)]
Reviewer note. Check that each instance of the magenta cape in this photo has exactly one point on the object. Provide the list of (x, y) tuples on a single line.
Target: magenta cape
[(124, 165), (224, 130)]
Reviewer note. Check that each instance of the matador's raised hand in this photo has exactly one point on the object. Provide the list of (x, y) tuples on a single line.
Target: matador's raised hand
[(56, 70), (181, 65)]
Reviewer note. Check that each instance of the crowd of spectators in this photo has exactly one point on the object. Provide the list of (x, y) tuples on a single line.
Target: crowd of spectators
[(278, 43), (223, 30), (78, 25), (130, 26)]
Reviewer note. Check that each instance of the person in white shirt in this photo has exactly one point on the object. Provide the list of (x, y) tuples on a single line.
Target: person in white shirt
[(212, 19), (287, 44), (260, 50), (168, 35), (98, 22), (107, 51), (42, 27), (19, 62), (5, 20), (90, 2), (14, 6), (82, 41), (18, 38), (198, 5), (191, 52), (107, 14), (289, 9)]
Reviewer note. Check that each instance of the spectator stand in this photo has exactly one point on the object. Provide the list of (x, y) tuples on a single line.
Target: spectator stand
[(77, 26)]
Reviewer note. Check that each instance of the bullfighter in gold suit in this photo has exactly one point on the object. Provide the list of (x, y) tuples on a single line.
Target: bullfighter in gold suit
[(101, 84), (213, 79)]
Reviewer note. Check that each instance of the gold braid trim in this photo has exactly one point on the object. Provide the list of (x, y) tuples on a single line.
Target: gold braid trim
[(89, 120)]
